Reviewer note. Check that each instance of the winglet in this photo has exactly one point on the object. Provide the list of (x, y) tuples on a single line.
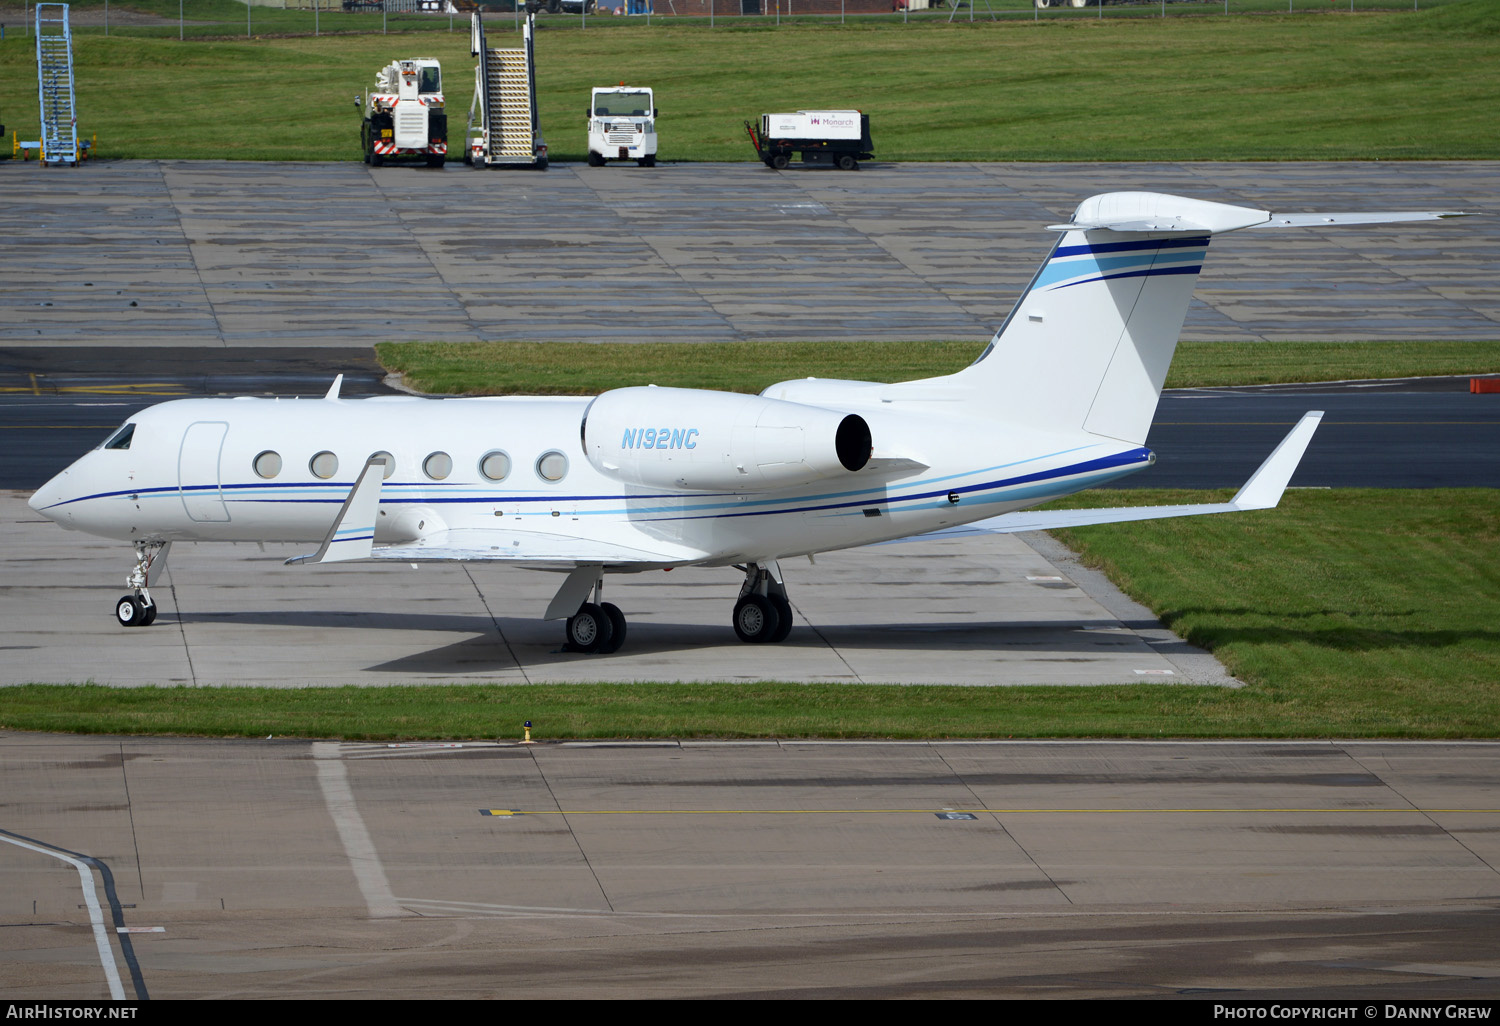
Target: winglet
[(353, 532), (1263, 490), (333, 390)]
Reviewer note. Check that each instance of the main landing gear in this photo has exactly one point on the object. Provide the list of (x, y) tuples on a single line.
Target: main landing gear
[(763, 613), (138, 609), (597, 627)]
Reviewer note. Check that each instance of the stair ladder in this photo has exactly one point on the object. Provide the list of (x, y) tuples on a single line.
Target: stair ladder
[(505, 96), (54, 73)]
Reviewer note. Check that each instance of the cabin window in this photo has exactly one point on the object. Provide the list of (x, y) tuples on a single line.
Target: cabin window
[(438, 466), (267, 464), (495, 466), (390, 463), (120, 439), (325, 464), (552, 466)]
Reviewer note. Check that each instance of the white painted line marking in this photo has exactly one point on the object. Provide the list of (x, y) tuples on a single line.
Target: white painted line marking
[(140, 929), (96, 915), (333, 778), (1158, 673), (1029, 577)]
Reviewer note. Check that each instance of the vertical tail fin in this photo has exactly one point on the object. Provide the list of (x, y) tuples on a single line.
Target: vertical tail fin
[(1088, 345)]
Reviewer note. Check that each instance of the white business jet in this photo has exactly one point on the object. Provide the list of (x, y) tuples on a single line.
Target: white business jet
[(651, 478)]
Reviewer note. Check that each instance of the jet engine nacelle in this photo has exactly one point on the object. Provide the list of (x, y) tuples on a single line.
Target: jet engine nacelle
[(719, 441)]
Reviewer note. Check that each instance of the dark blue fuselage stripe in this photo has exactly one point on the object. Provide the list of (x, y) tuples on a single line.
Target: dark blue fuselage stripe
[(1140, 245)]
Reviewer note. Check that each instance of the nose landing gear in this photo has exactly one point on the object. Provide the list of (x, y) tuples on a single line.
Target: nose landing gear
[(138, 609)]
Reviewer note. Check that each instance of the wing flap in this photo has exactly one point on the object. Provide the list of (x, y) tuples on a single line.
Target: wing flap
[(533, 548)]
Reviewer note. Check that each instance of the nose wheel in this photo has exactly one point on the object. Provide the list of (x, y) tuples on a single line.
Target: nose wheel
[(135, 610)]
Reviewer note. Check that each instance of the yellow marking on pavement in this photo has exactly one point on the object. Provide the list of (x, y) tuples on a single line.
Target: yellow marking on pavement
[(131, 388)]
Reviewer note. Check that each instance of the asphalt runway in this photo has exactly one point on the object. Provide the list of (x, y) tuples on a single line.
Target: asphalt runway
[(1348, 871), (235, 254)]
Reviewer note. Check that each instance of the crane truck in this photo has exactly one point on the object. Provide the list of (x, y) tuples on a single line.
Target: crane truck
[(404, 117)]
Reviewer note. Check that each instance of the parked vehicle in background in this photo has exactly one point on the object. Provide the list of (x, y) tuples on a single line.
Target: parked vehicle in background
[(622, 126), (404, 118)]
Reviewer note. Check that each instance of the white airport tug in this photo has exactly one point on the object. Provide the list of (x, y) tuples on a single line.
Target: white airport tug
[(622, 126), (404, 117)]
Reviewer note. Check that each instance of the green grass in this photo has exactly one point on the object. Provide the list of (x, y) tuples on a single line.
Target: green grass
[(587, 368), (1408, 85), (1355, 613)]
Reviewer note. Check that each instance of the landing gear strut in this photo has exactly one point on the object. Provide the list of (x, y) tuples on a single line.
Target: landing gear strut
[(763, 613), (138, 609)]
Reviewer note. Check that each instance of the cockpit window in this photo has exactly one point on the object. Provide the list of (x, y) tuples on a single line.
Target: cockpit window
[(120, 439)]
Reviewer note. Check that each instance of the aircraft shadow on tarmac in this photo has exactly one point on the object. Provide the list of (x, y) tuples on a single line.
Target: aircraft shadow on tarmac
[(1078, 640)]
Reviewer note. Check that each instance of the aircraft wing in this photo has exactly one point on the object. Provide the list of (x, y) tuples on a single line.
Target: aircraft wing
[(1262, 491), (534, 549)]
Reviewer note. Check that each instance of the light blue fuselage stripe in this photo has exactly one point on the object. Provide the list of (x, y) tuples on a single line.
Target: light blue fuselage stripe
[(920, 494)]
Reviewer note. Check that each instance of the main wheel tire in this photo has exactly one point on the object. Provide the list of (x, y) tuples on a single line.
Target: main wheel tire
[(779, 161), (590, 629), (130, 611), (784, 611), (648, 161), (150, 615), (376, 160), (595, 160), (436, 159), (756, 619), (847, 163), (617, 627)]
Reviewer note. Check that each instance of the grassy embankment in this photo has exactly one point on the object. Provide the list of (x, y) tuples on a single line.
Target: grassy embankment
[(1252, 87), (587, 368)]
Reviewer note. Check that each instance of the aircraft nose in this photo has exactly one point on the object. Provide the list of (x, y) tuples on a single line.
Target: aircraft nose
[(47, 499)]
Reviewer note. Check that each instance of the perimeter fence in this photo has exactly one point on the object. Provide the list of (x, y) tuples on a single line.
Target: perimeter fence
[(219, 19)]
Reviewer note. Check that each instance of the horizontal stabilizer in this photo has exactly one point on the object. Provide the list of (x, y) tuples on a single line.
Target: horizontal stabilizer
[(1262, 491), (1156, 212), (353, 531), (1319, 220)]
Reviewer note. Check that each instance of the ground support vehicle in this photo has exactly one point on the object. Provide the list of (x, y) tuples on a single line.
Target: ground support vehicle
[(508, 133), (840, 138), (622, 126), (404, 117)]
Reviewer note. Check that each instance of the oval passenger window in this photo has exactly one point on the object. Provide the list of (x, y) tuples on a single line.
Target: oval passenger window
[(267, 464), (438, 466), (325, 464), (495, 466), (552, 466)]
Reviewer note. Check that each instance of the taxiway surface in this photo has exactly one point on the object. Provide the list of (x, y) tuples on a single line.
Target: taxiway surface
[(1334, 870), (239, 253)]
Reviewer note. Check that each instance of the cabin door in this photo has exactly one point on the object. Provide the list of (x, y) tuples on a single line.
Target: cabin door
[(198, 472)]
